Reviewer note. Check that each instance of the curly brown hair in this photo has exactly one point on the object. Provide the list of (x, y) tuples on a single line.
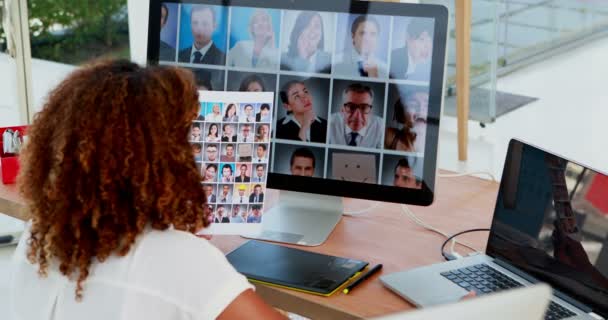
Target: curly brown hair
[(106, 157)]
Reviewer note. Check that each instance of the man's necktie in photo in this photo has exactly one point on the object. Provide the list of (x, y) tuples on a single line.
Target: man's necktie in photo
[(197, 57), (353, 139), (362, 71)]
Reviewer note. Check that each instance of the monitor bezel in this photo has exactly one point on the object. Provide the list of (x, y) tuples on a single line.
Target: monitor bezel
[(424, 196)]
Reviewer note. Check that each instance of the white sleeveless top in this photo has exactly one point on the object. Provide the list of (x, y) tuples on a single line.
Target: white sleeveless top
[(166, 275)]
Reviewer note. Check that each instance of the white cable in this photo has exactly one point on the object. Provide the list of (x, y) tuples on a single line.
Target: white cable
[(362, 211), (455, 175), (423, 224)]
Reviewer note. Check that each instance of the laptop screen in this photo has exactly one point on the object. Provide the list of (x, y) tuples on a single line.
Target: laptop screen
[(551, 221)]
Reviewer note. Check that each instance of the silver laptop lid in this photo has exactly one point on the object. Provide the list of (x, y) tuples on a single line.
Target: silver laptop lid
[(551, 221)]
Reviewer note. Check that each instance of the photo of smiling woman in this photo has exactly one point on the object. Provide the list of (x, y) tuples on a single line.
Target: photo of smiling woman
[(253, 38), (213, 134), (307, 47), (304, 109)]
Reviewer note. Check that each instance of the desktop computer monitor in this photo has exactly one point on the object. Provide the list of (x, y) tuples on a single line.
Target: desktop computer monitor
[(359, 92)]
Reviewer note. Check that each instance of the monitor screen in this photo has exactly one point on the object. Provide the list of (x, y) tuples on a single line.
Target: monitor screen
[(358, 85), (551, 221)]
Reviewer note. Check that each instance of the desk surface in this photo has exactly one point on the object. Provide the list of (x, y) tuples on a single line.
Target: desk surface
[(383, 235)]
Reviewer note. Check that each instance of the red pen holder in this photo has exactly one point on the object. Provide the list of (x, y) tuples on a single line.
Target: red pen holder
[(11, 141)]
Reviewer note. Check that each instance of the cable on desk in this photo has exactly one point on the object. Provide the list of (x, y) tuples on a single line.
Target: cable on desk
[(362, 211), (455, 175), (427, 226), (452, 257)]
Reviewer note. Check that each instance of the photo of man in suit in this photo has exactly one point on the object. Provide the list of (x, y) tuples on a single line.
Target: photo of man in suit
[(221, 215), (209, 193), (203, 24), (355, 125), (260, 153), (166, 51), (259, 173), (226, 195), (362, 60), (413, 60), (246, 134), (257, 195), (247, 113)]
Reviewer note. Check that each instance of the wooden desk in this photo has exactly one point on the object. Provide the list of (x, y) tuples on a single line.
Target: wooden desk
[(10, 202), (384, 235)]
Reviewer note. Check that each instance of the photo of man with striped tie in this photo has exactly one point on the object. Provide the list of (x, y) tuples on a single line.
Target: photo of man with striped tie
[(203, 23)]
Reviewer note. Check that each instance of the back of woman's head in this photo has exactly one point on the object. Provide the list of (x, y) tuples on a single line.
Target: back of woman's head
[(107, 156)]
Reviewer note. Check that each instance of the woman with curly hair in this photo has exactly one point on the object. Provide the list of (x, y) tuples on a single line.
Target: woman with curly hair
[(115, 199)]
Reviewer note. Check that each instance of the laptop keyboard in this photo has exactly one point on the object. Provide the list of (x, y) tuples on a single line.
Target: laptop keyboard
[(556, 312), (484, 279)]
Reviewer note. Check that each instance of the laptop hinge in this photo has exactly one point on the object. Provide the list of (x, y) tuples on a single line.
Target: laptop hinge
[(596, 316)]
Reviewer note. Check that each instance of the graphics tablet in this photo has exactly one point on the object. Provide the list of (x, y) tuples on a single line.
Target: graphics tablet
[(293, 268)]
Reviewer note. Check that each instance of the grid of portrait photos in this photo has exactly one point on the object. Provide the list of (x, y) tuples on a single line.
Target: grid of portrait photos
[(230, 141), (352, 91)]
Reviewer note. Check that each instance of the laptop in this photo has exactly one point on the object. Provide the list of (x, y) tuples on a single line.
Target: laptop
[(521, 304), (550, 225)]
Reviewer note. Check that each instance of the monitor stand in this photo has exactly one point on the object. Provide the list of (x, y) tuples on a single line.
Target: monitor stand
[(304, 219)]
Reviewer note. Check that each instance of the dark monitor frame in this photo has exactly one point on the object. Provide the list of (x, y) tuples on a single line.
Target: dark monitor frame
[(423, 196)]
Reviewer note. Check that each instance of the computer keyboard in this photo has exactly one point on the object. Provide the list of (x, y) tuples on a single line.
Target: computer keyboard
[(555, 312), (484, 279)]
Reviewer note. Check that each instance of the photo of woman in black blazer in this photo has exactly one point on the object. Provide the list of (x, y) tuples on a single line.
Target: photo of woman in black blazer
[(302, 121)]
